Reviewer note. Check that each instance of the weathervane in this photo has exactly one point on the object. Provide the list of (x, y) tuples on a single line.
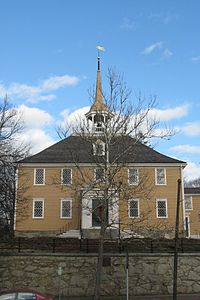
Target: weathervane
[(100, 48)]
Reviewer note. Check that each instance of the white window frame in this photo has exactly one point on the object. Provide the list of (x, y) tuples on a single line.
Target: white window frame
[(38, 200), (95, 177), (99, 142), (61, 208), (189, 196), (156, 176), (136, 182), (138, 208), (165, 201), (62, 176), (35, 170)]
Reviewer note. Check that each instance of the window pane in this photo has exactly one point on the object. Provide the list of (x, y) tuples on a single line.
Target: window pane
[(160, 173), (133, 176), (99, 174), (39, 176), (97, 212), (38, 209), (99, 149), (66, 176), (133, 208), (162, 208), (66, 208), (188, 202)]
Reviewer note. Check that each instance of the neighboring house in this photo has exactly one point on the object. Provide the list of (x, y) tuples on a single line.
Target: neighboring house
[(55, 195), (192, 211)]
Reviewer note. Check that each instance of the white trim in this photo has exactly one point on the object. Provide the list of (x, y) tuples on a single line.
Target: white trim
[(34, 183), (193, 195), (62, 176), (161, 200), (183, 200), (156, 176), (188, 217), (135, 183), (16, 191), (73, 164), (64, 200), (138, 207), (34, 200)]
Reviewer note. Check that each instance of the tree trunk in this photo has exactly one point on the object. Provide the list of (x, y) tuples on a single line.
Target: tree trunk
[(99, 264)]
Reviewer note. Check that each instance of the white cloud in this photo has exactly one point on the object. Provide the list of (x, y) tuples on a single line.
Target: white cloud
[(35, 123), (23, 90), (196, 58), (36, 138), (74, 117), (151, 48), (170, 113), (40, 98), (2, 91), (158, 46), (191, 171), (34, 117), (56, 82), (40, 92), (186, 149), (191, 129), (165, 18), (167, 53), (127, 24)]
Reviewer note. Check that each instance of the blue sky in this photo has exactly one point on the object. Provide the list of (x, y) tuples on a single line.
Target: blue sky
[(48, 62)]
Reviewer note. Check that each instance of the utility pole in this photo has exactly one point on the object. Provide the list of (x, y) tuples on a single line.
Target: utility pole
[(176, 242), (127, 275)]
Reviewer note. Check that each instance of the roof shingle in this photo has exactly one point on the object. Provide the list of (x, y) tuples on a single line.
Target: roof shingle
[(123, 149)]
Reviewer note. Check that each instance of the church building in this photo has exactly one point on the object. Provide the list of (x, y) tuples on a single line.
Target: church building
[(100, 174)]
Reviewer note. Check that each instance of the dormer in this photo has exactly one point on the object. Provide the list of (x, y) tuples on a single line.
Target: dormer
[(99, 148)]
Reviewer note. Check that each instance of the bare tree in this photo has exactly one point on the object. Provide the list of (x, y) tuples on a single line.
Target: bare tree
[(113, 127), (10, 152), (193, 183)]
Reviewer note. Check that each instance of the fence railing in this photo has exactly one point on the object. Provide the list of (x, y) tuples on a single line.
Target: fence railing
[(70, 245)]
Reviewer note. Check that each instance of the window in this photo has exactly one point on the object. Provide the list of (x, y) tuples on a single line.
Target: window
[(8, 296), (99, 148), (188, 202), (99, 174), (38, 208), (160, 176), (133, 176), (133, 208), (39, 176), (26, 296), (161, 207), (66, 208), (97, 212), (66, 176)]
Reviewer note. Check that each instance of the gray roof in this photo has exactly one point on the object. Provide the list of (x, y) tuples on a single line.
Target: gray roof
[(78, 150), (192, 190)]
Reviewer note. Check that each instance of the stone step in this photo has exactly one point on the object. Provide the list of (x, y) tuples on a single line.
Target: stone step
[(71, 234)]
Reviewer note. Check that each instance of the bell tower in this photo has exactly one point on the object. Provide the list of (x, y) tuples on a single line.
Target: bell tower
[(98, 113)]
